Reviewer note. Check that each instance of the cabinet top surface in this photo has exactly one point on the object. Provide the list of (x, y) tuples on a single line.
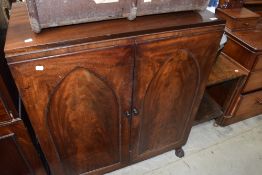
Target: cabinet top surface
[(21, 38), (224, 70), (239, 13), (250, 38)]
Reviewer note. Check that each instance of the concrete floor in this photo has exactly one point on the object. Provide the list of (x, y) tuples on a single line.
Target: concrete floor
[(232, 150)]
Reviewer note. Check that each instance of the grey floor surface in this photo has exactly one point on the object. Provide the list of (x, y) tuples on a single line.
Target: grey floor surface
[(231, 150)]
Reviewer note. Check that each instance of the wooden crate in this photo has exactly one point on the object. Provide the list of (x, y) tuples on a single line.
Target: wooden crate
[(49, 13)]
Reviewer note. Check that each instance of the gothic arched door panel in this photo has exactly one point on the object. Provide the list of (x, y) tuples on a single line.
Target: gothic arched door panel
[(83, 121), (166, 86), (78, 103)]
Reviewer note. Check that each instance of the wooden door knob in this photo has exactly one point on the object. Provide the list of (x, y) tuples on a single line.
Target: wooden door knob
[(128, 114), (135, 112)]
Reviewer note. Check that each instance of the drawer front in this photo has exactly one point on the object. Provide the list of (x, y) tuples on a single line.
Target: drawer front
[(237, 23), (250, 105), (243, 24), (258, 64), (254, 81)]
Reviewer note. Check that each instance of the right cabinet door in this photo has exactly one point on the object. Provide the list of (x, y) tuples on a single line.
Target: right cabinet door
[(170, 76)]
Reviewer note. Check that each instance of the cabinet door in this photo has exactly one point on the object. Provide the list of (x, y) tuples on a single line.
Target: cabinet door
[(77, 106), (170, 77)]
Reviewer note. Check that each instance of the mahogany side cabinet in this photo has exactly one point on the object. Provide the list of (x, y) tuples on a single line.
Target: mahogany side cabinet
[(103, 95), (244, 46)]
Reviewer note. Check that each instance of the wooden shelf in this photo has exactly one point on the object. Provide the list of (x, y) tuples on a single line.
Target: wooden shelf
[(225, 69), (208, 110)]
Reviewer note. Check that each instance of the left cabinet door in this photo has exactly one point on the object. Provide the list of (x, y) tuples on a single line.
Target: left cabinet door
[(77, 104)]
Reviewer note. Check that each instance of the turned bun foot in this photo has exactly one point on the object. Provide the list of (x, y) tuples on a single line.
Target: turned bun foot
[(180, 152)]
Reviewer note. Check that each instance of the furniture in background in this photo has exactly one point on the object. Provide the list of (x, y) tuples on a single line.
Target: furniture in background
[(18, 153), (224, 83), (230, 99), (244, 46), (254, 5), (230, 3), (104, 95)]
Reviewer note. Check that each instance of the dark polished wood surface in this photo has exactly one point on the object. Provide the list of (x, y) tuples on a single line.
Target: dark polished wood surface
[(250, 39), (230, 3), (225, 81), (246, 106), (239, 13), (18, 155), (67, 114), (90, 90), (9, 146), (208, 110), (6, 100), (254, 82), (242, 54), (245, 47), (3, 113), (250, 105), (8, 91), (225, 69), (4, 107), (254, 5), (165, 83), (238, 18), (258, 63)]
